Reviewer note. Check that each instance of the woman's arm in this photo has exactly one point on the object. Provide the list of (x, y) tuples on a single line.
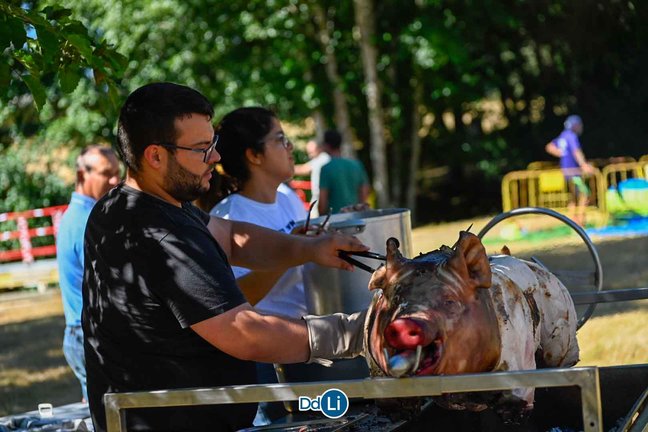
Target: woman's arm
[(257, 248)]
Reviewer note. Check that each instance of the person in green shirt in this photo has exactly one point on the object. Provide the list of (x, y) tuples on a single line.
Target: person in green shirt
[(343, 181)]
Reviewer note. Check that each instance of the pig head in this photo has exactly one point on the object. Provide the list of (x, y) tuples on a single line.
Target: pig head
[(455, 310)]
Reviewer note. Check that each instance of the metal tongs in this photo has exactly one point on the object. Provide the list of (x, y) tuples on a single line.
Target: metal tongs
[(346, 256)]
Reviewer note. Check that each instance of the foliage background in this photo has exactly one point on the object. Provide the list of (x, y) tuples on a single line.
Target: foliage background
[(466, 90)]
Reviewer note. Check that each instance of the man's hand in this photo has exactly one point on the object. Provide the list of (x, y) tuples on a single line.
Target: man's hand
[(361, 206), (324, 249), (587, 168)]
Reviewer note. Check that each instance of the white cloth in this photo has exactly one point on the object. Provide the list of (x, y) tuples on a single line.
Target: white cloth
[(316, 165), (287, 296)]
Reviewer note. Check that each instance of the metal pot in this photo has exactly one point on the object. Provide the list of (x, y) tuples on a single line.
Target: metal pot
[(330, 290)]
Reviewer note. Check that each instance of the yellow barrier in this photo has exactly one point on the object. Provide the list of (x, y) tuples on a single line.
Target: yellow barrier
[(547, 188), (643, 158), (630, 201), (616, 173), (542, 165)]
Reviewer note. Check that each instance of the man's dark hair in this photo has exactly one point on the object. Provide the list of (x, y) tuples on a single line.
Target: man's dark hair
[(333, 138), (148, 117)]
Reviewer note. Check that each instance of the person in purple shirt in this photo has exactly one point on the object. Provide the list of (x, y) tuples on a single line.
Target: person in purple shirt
[(97, 171), (573, 163)]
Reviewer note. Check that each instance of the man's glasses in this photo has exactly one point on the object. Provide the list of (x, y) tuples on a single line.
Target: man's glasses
[(282, 139), (206, 152)]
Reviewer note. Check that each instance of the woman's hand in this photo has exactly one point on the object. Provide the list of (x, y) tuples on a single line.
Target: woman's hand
[(324, 249)]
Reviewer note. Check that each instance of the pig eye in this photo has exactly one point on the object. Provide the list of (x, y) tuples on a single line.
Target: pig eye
[(452, 306)]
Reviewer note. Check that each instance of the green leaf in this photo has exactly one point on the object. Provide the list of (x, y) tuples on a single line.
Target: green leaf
[(113, 95), (37, 90), (69, 78), (82, 44), (75, 27), (28, 61), (117, 61), (56, 12), (12, 31), (49, 45), (35, 18), (5, 73)]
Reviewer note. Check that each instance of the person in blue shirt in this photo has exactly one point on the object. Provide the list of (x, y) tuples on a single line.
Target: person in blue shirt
[(97, 171), (573, 164)]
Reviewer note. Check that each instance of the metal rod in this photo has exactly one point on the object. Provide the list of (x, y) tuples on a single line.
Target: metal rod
[(598, 275), (585, 378), (609, 296)]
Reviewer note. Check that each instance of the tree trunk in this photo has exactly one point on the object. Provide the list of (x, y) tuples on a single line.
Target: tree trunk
[(341, 114), (320, 125), (365, 21), (415, 155)]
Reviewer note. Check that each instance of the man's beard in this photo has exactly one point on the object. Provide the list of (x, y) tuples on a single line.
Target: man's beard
[(181, 184)]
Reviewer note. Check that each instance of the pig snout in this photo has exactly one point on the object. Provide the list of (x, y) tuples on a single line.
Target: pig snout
[(407, 334)]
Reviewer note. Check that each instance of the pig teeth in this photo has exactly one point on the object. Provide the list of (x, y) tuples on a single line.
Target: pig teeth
[(419, 351), (402, 364)]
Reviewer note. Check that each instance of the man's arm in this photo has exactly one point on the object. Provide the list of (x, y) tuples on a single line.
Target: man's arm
[(323, 202), (582, 162), (553, 149), (257, 248), (303, 169), (246, 334), (363, 193)]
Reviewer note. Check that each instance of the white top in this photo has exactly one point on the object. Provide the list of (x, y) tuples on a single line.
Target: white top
[(287, 296), (316, 165)]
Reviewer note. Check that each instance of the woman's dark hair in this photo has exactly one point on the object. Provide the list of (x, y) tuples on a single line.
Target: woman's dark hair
[(148, 116), (241, 129)]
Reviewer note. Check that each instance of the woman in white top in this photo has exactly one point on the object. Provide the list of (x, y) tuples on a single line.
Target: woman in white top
[(256, 157)]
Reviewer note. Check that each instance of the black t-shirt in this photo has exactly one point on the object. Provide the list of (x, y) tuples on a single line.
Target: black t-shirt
[(151, 271)]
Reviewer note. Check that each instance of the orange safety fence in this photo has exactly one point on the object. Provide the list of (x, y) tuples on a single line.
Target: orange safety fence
[(25, 234), (303, 189)]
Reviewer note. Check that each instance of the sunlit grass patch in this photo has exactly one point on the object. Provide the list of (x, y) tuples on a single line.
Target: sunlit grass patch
[(23, 377), (615, 339)]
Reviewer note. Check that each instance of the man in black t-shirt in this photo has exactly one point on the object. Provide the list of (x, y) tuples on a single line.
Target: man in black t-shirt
[(161, 306)]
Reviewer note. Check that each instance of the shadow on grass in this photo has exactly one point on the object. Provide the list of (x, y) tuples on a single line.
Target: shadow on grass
[(33, 368)]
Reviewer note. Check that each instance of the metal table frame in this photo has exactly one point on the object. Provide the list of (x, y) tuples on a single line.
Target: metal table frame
[(586, 378)]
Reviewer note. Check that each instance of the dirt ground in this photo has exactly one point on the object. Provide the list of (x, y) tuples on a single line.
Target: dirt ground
[(33, 369)]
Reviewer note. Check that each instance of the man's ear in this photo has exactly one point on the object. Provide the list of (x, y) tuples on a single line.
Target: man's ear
[(80, 176), (153, 156)]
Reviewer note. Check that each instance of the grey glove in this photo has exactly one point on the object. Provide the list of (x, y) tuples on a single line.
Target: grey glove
[(335, 336)]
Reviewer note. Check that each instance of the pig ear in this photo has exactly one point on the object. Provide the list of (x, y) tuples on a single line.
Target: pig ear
[(470, 261), (378, 279), (394, 261)]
